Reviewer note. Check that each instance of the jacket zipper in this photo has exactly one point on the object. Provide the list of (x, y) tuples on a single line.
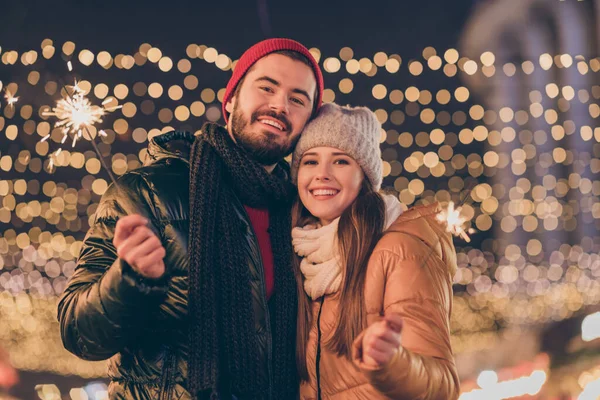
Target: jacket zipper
[(318, 359), (166, 384), (268, 316)]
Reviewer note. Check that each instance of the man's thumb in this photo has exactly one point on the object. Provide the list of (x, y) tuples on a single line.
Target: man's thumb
[(126, 225)]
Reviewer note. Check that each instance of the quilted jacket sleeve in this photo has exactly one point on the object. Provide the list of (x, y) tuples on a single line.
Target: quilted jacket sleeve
[(106, 304), (416, 286)]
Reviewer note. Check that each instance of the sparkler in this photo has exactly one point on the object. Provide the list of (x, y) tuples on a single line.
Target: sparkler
[(454, 222), (75, 115), (450, 217), (10, 98)]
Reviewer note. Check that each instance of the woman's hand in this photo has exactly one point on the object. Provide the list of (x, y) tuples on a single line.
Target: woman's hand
[(381, 341)]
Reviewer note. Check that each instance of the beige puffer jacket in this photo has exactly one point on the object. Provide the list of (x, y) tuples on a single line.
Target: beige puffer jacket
[(409, 273)]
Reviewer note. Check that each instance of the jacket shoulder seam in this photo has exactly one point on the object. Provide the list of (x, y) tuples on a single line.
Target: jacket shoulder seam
[(401, 257)]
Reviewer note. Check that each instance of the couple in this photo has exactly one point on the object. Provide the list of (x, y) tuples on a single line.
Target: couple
[(208, 275)]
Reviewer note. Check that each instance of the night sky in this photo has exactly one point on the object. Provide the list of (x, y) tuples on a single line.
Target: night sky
[(404, 27)]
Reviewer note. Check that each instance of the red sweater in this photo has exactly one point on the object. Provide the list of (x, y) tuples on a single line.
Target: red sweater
[(260, 222)]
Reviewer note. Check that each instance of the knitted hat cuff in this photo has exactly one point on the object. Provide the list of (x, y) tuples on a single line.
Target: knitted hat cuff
[(354, 130)]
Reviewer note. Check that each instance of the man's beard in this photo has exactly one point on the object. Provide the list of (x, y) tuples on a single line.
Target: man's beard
[(263, 146)]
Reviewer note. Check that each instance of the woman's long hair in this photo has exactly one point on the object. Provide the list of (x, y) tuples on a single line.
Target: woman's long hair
[(359, 230)]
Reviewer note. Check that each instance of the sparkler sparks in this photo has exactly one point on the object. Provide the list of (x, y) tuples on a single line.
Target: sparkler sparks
[(10, 98), (454, 222), (76, 113)]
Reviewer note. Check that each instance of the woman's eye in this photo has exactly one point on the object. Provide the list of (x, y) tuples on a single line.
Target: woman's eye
[(341, 161), (309, 162)]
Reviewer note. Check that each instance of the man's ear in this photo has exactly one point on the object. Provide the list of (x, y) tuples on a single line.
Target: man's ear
[(229, 105)]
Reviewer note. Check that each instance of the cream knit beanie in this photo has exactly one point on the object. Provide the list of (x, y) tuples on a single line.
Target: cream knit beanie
[(354, 130)]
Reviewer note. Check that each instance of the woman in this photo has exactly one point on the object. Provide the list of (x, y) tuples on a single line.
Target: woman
[(375, 283)]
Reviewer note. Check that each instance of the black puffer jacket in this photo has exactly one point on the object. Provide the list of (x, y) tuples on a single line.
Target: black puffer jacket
[(109, 311)]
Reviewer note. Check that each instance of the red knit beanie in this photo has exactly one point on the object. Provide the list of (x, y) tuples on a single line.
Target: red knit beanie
[(261, 49)]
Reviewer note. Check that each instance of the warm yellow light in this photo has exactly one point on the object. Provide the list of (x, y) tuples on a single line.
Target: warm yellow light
[(453, 221)]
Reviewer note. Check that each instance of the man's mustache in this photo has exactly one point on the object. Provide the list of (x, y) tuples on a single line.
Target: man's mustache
[(280, 117)]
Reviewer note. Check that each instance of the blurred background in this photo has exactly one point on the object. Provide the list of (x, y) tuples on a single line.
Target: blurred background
[(490, 104)]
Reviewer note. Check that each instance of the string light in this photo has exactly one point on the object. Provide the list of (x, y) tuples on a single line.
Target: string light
[(590, 327), (433, 148), (591, 391), (492, 389)]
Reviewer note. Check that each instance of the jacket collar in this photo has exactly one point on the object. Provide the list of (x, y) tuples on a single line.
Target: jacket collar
[(173, 144)]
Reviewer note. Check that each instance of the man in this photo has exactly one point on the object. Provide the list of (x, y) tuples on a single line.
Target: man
[(184, 279)]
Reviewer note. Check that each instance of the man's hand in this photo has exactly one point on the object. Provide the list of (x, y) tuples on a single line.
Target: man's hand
[(382, 340), (139, 246)]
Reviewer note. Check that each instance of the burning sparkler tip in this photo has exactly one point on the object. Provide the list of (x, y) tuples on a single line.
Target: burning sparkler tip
[(454, 221), (10, 98)]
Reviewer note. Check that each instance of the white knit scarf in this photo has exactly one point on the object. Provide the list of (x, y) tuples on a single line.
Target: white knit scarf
[(317, 245)]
